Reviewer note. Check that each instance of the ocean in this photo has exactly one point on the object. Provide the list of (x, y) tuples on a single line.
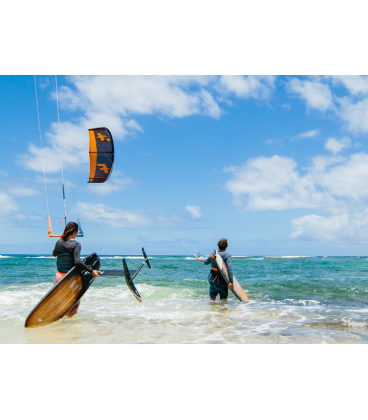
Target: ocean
[(292, 300)]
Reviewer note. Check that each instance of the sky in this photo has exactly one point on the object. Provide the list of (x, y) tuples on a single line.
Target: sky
[(278, 165)]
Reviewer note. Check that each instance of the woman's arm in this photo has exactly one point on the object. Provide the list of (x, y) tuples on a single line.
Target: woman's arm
[(78, 261), (54, 252)]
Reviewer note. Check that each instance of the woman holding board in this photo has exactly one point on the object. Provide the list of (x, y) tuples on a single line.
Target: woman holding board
[(68, 250)]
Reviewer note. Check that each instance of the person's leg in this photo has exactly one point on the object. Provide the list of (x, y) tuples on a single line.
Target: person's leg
[(223, 290), (59, 276), (213, 291), (73, 311)]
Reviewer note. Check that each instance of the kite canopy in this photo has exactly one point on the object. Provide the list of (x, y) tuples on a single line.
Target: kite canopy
[(101, 154)]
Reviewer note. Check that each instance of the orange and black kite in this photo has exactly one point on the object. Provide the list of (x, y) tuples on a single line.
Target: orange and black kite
[(101, 154)]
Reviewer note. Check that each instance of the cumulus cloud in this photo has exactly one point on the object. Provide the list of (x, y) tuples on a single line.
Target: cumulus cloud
[(114, 102), (349, 178), (351, 107), (72, 152), (171, 96), (335, 184), (115, 217), (194, 211), (335, 146), (355, 114), (355, 84), (116, 183), (274, 183), (256, 87), (342, 227), (317, 95)]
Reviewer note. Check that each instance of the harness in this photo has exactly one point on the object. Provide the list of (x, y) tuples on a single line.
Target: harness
[(64, 262), (216, 274)]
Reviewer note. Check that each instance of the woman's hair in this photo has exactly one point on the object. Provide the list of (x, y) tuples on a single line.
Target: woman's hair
[(222, 244), (70, 228)]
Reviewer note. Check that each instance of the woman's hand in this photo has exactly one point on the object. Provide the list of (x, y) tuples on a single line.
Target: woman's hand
[(231, 285), (95, 273)]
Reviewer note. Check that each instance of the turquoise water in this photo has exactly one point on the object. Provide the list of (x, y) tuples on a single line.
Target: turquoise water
[(293, 300)]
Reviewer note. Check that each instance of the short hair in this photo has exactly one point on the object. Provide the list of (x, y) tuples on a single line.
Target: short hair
[(222, 244)]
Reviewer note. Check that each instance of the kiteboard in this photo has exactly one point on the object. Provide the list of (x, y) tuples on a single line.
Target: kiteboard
[(237, 289), (64, 295), (130, 276)]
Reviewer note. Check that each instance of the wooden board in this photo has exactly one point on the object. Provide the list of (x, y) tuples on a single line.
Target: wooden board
[(237, 289), (63, 296)]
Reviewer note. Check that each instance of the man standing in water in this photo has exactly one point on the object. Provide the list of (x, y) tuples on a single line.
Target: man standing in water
[(218, 284)]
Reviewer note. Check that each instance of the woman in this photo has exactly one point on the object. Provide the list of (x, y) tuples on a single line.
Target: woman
[(67, 250)]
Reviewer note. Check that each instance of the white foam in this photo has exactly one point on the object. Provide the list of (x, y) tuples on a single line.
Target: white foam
[(40, 257), (262, 258), (111, 258), (308, 302), (358, 310), (263, 328), (5, 256), (288, 256), (190, 258)]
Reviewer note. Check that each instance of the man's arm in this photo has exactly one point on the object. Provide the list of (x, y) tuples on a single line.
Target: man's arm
[(208, 260), (229, 269)]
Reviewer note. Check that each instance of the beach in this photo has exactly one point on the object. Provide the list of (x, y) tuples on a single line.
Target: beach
[(293, 299)]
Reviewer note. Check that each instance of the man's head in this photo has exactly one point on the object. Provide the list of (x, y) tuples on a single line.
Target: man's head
[(222, 244)]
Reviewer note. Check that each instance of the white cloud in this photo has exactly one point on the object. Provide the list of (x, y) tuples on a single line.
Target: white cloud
[(22, 191), (352, 108), (342, 227), (355, 84), (7, 203), (194, 211), (111, 101), (308, 134), (347, 179), (115, 217), (355, 114), (171, 96), (256, 87), (317, 95), (335, 146), (74, 149), (115, 183), (273, 183)]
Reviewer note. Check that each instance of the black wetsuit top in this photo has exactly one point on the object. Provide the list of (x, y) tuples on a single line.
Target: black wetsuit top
[(70, 247)]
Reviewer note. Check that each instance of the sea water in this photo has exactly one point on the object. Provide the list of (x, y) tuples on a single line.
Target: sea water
[(292, 300)]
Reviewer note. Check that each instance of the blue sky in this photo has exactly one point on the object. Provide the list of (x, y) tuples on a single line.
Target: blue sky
[(278, 165)]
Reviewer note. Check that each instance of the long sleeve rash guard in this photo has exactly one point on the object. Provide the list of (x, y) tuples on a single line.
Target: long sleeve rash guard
[(71, 247)]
